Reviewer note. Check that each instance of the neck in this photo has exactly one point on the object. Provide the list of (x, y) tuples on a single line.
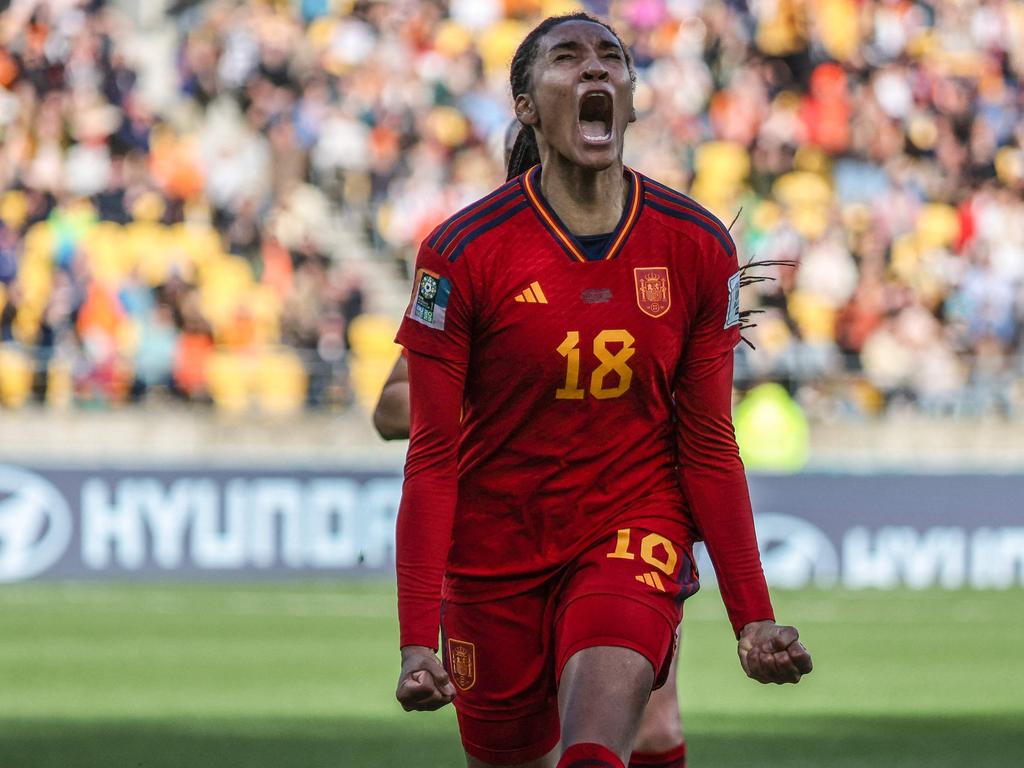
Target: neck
[(588, 202)]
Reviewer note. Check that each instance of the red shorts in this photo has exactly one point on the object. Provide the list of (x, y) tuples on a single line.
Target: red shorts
[(505, 656)]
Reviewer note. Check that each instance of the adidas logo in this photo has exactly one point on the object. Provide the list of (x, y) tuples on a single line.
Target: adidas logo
[(652, 579), (532, 295)]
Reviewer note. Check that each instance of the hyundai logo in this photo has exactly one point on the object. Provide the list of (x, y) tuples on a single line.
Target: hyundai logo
[(35, 524), (795, 552)]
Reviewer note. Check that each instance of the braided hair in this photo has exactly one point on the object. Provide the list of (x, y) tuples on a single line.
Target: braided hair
[(525, 153)]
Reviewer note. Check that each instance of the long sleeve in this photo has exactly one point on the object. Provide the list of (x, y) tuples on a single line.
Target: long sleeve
[(427, 511), (436, 335), (711, 473)]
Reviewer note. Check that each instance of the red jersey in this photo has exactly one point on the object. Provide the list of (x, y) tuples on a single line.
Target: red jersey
[(593, 393)]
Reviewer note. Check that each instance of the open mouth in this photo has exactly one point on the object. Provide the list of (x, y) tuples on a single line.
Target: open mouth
[(596, 117)]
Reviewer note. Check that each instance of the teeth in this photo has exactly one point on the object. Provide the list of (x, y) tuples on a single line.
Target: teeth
[(595, 130)]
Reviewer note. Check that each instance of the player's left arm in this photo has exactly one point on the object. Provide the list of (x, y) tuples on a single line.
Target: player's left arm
[(713, 480)]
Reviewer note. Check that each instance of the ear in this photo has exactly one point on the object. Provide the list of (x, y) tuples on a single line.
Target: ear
[(632, 114), (526, 111)]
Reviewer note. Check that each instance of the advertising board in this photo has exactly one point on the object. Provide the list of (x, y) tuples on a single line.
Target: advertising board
[(855, 531)]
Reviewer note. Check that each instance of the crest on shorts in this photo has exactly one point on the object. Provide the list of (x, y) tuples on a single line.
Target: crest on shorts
[(653, 295), (462, 663)]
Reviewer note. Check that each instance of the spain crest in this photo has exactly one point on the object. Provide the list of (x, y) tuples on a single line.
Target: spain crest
[(462, 663), (653, 295)]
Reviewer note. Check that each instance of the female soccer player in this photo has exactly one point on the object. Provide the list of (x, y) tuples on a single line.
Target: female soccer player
[(569, 343)]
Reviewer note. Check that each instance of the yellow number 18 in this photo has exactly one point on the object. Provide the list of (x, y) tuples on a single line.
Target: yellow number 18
[(610, 362)]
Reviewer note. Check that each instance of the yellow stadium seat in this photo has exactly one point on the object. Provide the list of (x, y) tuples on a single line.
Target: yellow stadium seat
[(368, 377), (373, 355), (498, 43), (15, 377), (13, 208), (265, 305), (40, 240), (372, 336), (808, 198), (726, 161), (816, 319), (59, 385), (280, 382), (938, 225), (26, 323), (228, 377), (109, 260), (452, 39)]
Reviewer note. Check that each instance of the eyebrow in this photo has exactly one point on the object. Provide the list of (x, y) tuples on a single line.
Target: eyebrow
[(572, 45), (567, 45)]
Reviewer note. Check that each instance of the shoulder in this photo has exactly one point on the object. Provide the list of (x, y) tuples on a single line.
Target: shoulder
[(686, 216), (452, 237)]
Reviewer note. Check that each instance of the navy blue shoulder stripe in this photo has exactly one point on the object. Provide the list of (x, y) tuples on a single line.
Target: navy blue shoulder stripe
[(669, 195), (476, 215), (455, 219), (695, 219), (487, 226), (447, 223)]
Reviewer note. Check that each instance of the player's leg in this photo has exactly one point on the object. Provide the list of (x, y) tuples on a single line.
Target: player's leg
[(601, 696), (615, 636), (659, 740)]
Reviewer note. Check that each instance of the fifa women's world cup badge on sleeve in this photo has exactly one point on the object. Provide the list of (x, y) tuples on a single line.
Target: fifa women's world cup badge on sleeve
[(653, 294), (430, 299), (462, 663)]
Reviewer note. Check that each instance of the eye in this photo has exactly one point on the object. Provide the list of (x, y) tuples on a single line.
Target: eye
[(563, 57), (613, 55)]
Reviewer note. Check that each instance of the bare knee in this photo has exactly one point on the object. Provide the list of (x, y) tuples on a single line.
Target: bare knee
[(601, 696)]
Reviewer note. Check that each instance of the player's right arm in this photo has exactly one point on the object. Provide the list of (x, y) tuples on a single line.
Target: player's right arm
[(435, 334), (391, 416)]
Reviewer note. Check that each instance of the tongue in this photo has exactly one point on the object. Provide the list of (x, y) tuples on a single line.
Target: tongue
[(594, 129)]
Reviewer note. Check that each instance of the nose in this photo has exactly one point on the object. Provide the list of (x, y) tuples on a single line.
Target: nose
[(595, 69)]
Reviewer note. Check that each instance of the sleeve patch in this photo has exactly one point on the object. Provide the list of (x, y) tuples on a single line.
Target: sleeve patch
[(732, 312), (430, 299)]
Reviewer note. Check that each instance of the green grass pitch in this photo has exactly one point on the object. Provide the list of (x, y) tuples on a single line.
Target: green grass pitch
[(302, 676)]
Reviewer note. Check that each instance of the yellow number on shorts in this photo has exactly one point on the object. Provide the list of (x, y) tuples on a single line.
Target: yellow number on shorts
[(622, 546), (649, 545), (648, 549), (610, 362)]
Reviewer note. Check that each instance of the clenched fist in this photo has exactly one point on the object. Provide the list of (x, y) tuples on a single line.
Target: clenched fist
[(423, 684), (771, 653)]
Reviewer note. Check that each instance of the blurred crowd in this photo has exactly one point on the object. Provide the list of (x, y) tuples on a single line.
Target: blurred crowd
[(184, 239), (175, 246)]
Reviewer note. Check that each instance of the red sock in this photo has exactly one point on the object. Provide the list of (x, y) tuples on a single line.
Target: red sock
[(589, 756), (674, 758)]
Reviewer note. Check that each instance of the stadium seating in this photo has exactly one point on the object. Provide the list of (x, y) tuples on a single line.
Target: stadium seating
[(165, 208)]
